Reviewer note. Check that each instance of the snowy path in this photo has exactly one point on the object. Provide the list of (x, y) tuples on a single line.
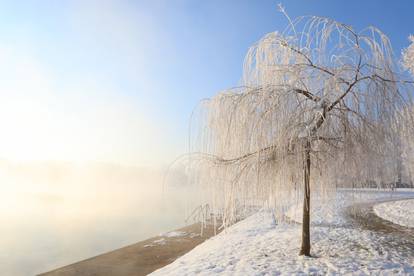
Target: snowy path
[(393, 235)]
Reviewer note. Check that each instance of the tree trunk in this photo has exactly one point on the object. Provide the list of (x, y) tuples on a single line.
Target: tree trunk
[(305, 249)]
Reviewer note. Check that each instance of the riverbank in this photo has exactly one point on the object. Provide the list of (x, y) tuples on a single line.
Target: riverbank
[(141, 258), (341, 244)]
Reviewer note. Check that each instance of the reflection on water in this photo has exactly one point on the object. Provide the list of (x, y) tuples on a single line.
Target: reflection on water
[(52, 215)]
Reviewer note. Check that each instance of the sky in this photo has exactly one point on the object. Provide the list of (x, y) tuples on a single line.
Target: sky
[(116, 81)]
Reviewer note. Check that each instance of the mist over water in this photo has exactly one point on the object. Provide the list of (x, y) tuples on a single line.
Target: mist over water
[(54, 214)]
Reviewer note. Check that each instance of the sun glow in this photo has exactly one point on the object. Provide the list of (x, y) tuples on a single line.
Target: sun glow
[(43, 120)]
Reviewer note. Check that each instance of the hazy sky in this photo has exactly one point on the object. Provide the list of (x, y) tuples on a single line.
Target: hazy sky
[(116, 81)]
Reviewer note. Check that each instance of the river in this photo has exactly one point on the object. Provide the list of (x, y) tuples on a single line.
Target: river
[(53, 215)]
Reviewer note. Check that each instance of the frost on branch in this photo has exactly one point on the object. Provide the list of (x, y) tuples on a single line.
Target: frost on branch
[(408, 56), (406, 134), (318, 83)]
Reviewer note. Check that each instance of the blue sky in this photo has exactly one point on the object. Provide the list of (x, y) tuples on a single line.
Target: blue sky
[(116, 81)]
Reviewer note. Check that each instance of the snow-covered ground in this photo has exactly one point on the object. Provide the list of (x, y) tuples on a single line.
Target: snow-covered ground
[(399, 212), (260, 246)]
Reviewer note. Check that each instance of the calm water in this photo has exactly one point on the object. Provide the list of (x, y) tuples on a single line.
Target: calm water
[(55, 216)]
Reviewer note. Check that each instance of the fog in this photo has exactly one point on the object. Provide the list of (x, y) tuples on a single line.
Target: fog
[(53, 214)]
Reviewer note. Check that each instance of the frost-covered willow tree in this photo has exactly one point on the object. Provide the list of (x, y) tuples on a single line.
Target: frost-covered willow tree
[(313, 113)]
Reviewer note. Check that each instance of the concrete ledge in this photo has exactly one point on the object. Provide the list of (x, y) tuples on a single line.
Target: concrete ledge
[(141, 258)]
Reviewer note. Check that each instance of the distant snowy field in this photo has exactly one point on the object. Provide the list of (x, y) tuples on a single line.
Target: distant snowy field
[(260, 246), (398, 212)]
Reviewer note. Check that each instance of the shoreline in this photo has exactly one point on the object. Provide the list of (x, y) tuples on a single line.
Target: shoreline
[(142, 257)]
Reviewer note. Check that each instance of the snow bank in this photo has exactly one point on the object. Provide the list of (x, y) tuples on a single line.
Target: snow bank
[(174, 234), (398, 212), (331, 210)]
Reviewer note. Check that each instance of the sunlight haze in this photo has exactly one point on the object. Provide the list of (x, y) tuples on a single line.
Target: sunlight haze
[(75, 87), (116, 81)]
